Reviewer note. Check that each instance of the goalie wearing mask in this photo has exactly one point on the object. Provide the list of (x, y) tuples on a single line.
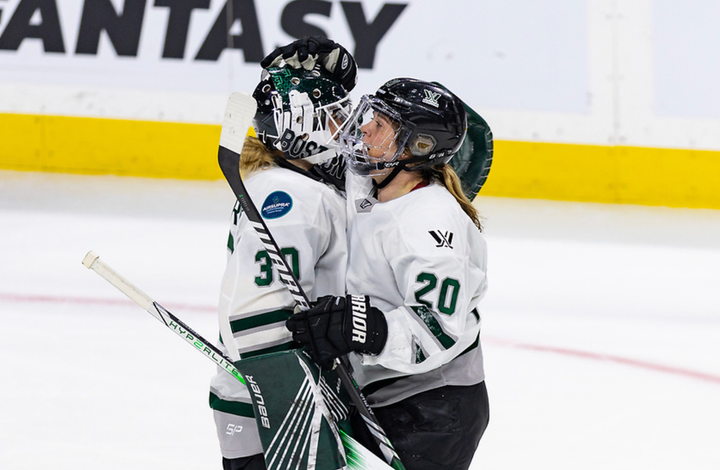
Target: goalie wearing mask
[(292, 171)]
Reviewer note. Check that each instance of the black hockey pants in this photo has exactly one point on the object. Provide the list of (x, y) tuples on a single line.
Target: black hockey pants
[(435, 430)]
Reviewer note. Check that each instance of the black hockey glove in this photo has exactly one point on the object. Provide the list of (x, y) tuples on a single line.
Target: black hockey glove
[(335, 326), (308, 51)]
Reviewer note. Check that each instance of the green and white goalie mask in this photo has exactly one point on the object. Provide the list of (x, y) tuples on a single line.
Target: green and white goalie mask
[(300, 112)]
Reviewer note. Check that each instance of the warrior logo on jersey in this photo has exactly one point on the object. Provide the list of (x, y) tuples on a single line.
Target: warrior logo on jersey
[(442, 238), (276, 205)]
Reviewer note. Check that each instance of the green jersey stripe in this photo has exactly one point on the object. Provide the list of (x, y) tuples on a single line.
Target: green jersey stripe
[(433, 325), (261, 319), (231, 407)]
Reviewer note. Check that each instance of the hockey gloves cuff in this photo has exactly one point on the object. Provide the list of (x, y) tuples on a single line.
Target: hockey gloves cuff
[(335, 326), (308, 51)]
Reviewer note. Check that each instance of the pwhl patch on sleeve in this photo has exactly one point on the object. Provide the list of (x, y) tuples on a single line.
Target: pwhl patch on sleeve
[(276, 205)]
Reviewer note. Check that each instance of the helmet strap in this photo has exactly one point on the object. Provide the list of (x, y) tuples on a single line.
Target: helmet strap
[(391, 176), (401, 166)]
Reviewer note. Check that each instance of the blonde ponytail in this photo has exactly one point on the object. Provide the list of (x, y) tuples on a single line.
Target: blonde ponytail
[(445, 175), (255, 156)]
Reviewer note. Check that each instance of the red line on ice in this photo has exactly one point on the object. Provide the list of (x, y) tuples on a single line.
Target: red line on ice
[(497, 341), (609, 358), (94, 301)]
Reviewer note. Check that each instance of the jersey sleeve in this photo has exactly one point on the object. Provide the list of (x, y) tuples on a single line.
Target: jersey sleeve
[(438, 264)]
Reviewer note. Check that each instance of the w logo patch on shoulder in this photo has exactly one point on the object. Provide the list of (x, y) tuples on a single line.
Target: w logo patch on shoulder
[(443, 239)]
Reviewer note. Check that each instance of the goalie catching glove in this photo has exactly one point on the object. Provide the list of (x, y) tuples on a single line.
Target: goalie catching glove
[(335, 326), (308, 51)]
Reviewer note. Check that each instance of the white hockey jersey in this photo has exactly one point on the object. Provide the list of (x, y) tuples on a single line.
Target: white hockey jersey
[(423, 263), (307, 220)]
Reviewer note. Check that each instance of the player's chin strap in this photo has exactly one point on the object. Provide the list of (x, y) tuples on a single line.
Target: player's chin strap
[(402, 165), (391, 176)]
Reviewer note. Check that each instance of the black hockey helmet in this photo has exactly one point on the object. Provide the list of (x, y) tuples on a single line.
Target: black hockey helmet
[(300, 112), (428, 120)]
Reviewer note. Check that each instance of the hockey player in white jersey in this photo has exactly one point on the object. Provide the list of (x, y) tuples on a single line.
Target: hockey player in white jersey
[(288, 171), (416, 274)]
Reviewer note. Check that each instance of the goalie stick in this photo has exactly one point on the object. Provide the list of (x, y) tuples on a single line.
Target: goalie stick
[(238, 117), (92, 261), (358, 457)]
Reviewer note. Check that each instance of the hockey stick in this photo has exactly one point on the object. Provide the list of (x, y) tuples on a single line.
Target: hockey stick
[(93, 261), (358, 458), (236, 122)]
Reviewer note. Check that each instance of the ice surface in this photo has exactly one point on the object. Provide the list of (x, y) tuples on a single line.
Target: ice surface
[(601, 329)]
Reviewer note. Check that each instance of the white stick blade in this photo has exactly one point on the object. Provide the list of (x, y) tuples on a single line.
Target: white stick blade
[(238, 118)]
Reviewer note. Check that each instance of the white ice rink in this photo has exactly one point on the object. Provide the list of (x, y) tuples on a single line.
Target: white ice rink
[(601, 329)]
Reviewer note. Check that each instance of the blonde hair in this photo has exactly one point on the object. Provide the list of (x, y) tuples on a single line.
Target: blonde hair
[(445, 175), (255, 157)]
